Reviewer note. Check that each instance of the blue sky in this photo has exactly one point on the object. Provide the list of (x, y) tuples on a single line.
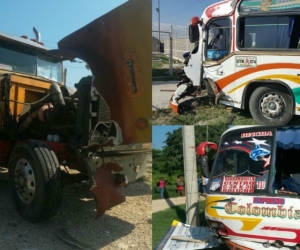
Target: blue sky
[(159, 135), (178, 13), (54, 20)]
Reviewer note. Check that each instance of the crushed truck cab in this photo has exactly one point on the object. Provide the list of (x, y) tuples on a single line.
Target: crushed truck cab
[(99, 128)]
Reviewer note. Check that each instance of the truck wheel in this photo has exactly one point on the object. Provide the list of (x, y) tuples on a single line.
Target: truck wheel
[(271, 105), (34, 180)]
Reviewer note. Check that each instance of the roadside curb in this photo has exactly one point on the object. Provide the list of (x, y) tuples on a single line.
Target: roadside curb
[(162, 204)]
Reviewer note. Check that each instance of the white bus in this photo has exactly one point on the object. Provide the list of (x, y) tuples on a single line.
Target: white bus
[(247, 56), (253, 193)]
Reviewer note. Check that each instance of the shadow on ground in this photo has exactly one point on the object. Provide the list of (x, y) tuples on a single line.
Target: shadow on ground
[(76, 216)]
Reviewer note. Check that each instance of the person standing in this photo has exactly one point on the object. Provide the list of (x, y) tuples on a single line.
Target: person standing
[(180, 186), (199, 183), (204, 182), (161, 186)]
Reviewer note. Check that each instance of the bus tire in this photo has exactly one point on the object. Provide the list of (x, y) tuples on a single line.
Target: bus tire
[(271, 105), (35, 180)]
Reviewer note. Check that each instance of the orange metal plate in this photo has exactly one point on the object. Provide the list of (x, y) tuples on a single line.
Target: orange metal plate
[(108, 192), (109, 44)]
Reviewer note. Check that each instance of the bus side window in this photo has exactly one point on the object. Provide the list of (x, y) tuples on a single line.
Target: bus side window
[(295, 32), (248, 40), (277, 180), (286, 164)]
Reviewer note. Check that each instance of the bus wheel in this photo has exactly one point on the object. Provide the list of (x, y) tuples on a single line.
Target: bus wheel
[(271, 105), (34, 180)]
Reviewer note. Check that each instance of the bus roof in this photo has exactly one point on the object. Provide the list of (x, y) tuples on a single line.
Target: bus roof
[(222, 8), (233, 128)]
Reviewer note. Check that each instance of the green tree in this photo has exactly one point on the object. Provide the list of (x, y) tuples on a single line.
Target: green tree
[(211, 134), (169, 161)]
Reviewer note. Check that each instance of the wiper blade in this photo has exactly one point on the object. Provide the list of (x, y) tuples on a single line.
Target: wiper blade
[(223, 200), (228, 199)]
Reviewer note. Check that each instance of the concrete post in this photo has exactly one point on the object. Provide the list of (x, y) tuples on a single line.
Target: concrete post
[(171, 53), (158, 10), (190, 172)]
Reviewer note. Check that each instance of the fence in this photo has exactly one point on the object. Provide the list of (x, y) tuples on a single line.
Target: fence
[(179, 45), (169, 46)]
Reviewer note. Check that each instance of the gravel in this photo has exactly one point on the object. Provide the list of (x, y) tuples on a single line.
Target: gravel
[(126, 226)]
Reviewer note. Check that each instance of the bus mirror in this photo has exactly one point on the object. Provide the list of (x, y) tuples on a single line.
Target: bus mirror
[(204, 165), (194, 33), (201, 152)]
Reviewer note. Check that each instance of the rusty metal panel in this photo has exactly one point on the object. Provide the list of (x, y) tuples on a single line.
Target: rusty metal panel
[(117, 47), (108, 191)]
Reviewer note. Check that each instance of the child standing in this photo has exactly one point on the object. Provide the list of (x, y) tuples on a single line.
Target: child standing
[(161, 186), (180, 185)]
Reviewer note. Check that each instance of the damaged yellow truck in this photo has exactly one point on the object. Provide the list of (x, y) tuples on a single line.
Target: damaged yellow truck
[(99, 128)]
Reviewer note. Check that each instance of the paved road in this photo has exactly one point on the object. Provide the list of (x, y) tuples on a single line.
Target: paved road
[(162, 204), (162, 92)]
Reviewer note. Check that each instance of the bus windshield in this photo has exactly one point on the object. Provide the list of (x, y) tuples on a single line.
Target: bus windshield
[(243, 162)]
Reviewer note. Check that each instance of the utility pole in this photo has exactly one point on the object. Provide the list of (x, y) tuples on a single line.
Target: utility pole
[(171, 52), (190, 172), (158, 10)]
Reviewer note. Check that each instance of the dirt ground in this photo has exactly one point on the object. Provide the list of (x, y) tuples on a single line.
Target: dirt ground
[(127, 226)]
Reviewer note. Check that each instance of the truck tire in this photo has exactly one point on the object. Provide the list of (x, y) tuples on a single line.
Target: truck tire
[(271, 105), (34, 180)]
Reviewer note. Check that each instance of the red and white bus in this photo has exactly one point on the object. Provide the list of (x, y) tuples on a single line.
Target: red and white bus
[(247, 56), (254, 186)]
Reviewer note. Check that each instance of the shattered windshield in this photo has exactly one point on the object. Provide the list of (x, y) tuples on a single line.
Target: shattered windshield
[(243, 162)]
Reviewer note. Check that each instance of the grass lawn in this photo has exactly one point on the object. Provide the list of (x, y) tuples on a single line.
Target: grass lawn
[(207, 114), (161, 221), (163, 75), (160, 69), (202, 112)]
